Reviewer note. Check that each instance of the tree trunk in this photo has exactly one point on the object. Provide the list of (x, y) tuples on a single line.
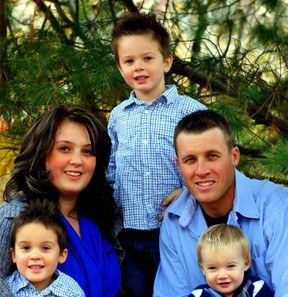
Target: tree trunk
[(3, 33)]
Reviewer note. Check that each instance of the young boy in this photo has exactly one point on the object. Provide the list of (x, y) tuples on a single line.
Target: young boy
[(38, 245), (142, 168), (223, 253)]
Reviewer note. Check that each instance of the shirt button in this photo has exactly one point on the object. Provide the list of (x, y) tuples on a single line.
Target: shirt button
[(145, 141), (147, 173)]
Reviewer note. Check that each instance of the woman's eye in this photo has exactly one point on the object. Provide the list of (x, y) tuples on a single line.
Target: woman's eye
[(63, 148), (88, 152)]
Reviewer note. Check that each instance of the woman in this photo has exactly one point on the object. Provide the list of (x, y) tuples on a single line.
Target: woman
[(64, 157)]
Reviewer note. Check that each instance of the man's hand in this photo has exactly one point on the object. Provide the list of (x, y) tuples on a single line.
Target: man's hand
[(168, 200)]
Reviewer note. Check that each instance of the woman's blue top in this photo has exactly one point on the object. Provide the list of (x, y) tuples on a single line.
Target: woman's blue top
[(91, 260)]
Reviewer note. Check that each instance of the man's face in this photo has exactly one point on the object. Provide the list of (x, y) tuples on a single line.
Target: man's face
[(207, 166)]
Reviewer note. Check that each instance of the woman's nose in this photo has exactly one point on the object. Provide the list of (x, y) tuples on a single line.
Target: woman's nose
[(76, 159)]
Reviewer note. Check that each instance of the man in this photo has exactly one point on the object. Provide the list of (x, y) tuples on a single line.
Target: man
[(218, 193)]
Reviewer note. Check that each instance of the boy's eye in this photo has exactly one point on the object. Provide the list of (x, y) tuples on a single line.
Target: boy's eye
[(46, 248), (25, 247), (211, 269), (148, 58), (231, 266), (129, 61)]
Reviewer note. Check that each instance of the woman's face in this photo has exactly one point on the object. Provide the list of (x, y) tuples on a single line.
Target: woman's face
[(71, 162)]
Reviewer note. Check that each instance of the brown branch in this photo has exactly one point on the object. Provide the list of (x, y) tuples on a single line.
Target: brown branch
[(3, 35), (261, 116), (130, 5), (53, 21), (3, 29), (183, 68)]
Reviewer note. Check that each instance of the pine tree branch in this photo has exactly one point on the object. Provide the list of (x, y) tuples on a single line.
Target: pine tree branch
[(262, 116), (183, 68), (130, 5), (53, 21)]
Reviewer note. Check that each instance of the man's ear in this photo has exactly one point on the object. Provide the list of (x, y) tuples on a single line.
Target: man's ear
[(177, 161), (63, 256), (235, 156)]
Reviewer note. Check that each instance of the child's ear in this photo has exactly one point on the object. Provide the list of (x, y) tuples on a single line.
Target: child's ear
[(120, 70), (247, 264), (168, 61), (13, 255), (63, 256), (202, 268)]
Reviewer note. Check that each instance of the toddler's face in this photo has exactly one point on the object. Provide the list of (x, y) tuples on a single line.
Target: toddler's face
[(224, 270)]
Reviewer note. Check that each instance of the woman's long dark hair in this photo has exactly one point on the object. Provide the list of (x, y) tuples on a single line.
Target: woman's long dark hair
[(31, 178)]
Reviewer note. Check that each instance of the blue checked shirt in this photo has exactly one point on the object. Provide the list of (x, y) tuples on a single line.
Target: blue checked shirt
[(63, 286), (142, 166)]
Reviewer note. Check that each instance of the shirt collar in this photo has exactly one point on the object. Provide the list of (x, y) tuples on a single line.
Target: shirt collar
[(184, 208), (244, 197), (168, 96), (21, 283)]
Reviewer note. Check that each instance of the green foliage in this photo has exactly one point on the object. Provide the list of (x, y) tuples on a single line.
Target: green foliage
[(274, 162), (232, 56)]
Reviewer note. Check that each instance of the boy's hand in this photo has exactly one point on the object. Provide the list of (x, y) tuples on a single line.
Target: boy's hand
[(168, 200)]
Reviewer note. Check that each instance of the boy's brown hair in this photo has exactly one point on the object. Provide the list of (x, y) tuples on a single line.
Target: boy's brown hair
[(44, 212), (141, 24)]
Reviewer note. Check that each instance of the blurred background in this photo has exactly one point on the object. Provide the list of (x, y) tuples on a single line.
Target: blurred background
[(230, 55)]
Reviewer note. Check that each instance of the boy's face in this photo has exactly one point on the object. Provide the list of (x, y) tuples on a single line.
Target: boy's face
[(37, 254), (224, 270), (142, 65)]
